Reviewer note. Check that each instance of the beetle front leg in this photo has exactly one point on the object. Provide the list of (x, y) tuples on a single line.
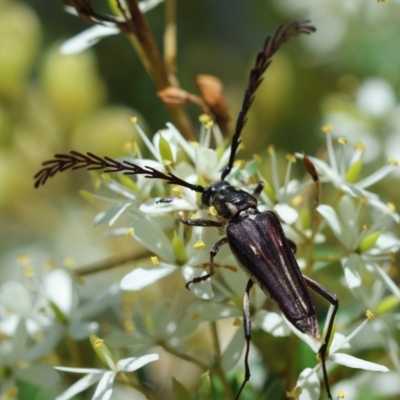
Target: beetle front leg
[(199, 222), (214, 251)]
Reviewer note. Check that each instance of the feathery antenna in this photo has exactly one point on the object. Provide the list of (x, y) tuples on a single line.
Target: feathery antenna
[(263, 60), (89, 161)]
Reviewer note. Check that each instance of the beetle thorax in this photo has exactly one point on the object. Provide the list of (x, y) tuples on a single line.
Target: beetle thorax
[(228, 201)]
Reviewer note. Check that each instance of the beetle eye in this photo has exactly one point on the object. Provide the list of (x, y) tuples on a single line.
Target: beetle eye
[(207, 195)]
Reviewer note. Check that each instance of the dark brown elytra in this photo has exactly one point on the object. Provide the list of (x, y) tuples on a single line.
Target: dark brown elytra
[(256, 238)]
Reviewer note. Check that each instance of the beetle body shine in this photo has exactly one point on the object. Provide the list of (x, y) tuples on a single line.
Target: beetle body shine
[(262, 250)]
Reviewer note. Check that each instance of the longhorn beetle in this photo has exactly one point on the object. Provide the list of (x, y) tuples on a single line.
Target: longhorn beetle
[(256, 238)]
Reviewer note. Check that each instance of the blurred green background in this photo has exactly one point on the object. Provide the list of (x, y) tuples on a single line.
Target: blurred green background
[(51, 103)]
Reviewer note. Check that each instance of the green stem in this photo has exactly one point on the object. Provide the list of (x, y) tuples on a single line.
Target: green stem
[(184, 356), (217, 358)]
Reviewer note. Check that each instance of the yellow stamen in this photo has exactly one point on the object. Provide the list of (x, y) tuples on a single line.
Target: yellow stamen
[(199, 245), (291, 158), (23, 259), (134, 120), (391, 207), (154, 260), (129, 232), (360, 146), (69, 262), (296, 201), (87, 196), (393, 161), (177, 191), (98, 342), (257, 157), (327, 128), (195, 316), (204, 118), (29, 272), (213, 211), (239, 164), (370, 315)]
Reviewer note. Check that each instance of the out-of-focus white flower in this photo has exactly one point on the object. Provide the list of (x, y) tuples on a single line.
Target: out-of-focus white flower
[(376, 97)]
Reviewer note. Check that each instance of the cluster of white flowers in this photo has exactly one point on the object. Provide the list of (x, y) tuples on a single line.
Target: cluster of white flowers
[(357, 218), (39, 313)]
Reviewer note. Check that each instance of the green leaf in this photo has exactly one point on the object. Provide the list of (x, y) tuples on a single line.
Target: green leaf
[(179, 249), (180, 391), (205, 391), (60, 317), (100, 349), (165, 150), (354, 170)]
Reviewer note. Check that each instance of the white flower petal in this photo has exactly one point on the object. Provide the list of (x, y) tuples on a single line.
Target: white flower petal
[(134, 363), (329, 215), (354, 362), (80, 385), (315, 346), (203, 289), (105, 386), (59, 289), (210, 311), (206, 162), (378, 271), (272, 323), (112, 214), (87, 38), (342, 342), (147, 5), (99, 303), (148, 233), (16, 298), (144, 276), (165, 205), (288, 214), (47, 344), (351, 268), (309, 382)]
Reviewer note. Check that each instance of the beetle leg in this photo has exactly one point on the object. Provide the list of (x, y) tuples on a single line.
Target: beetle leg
[(199, 222), (247, 334), (214, 251), (323, 292), (258, 189)]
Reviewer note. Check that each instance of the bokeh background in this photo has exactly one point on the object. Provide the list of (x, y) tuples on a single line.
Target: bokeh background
[(348, 74)]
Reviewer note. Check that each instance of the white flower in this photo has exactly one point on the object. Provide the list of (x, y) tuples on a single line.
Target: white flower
[(366, 246), (105, 378), (343, 174), (155, 240), (308, 379)]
